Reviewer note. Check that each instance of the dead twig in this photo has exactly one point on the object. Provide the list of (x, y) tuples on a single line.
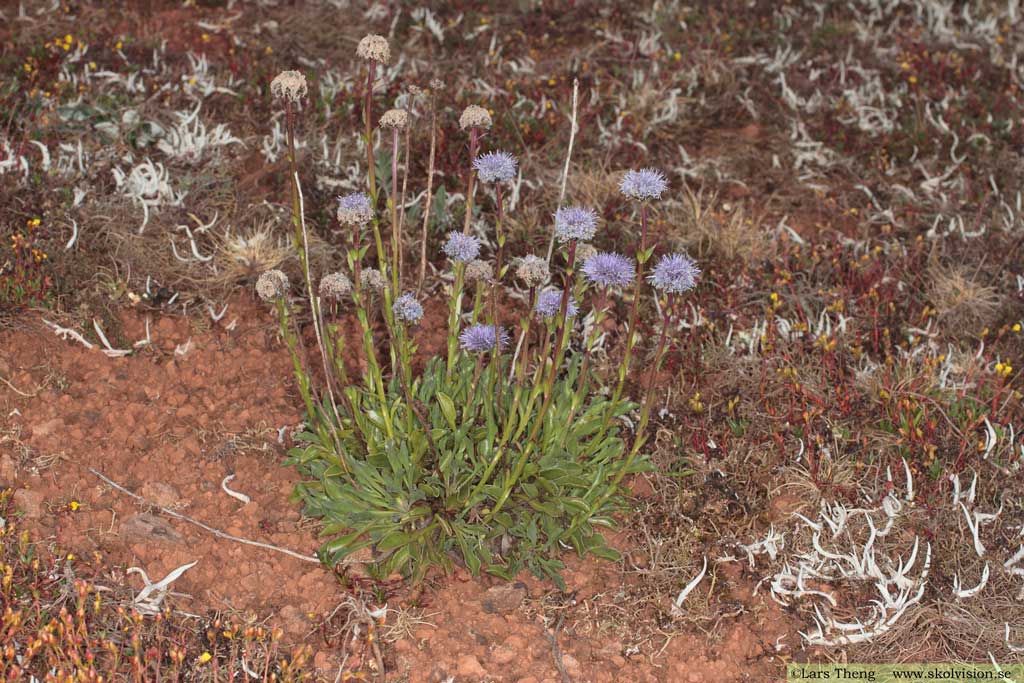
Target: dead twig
[(568, 159), (430, 192), (215, 532), (18, 391), (556, 652)]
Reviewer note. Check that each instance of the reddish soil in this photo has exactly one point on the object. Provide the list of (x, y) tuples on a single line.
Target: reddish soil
[(171, 427)]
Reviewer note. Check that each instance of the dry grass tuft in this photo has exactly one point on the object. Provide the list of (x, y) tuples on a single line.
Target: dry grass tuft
[(962, 302), (723, 229), (593, 185), (241, 256)]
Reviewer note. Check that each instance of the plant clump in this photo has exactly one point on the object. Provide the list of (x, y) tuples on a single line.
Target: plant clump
[(500, 451)]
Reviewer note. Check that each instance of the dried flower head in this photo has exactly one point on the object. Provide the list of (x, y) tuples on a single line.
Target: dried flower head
[(354, 209), (371, 279), (475, 117), (407, 309), (272, 285), (374, 48), (609, 270), (549, 303), (290, 86), (479, 271), (496, 167), (647, 183), (480, 338), (584, 251), (575, 223), (394, 118), (674, 274), (335, 286), (461, 248), (533, 270)]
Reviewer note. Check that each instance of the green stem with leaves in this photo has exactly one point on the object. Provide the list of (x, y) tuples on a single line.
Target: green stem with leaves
[(643, 255), (455, 320), (640, 437)]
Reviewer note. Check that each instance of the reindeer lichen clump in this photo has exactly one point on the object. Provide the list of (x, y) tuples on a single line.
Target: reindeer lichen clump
[(500, 451)]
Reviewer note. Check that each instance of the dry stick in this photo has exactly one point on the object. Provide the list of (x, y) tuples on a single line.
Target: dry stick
[(430, 195), (215, 532), (568, 158), (556, 651), (18, 391), (298, 206), (314, 303)]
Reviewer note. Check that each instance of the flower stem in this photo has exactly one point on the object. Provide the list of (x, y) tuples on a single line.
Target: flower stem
[(469, 411), (495, 376), (499, 267), (368, 123), (600, 309), (454, 320), (302, 247), (400, 263), (297, 351), (374, 377), (531, 439), (642, 257), (396, 239), (474, 141), (563, 323)]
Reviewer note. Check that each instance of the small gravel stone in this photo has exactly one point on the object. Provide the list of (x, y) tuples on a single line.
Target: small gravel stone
[(147, 528), (503, 598), (470, 667)]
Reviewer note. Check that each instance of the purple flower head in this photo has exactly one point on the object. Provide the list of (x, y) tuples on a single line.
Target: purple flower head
[(480, 338), (462, 248), (496, 167), (674, 274), (609, 270), (647, 183), (575, 223), (550, 303), (354, 209), (407, 309)]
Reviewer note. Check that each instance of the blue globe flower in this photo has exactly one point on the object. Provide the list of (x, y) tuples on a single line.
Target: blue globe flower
[(495, 167), (575, 223), (674, 274), (550, 303), (480, 338), (406, 309), (609, 269), (461, 248), (647, 183), (354, 209)]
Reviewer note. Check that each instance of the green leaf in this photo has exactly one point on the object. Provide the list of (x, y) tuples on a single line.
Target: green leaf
[(606, 553), (393, 540), (500, 571), (574, 505), (447, 408), (547, 508), (468, 554), (340, 548)]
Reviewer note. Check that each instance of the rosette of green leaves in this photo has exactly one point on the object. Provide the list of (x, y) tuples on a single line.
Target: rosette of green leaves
[(424, 497)]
